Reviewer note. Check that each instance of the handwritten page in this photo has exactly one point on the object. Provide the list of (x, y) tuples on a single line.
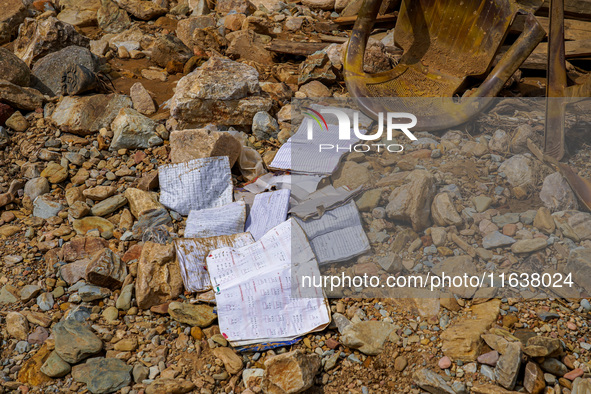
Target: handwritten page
[(322, 200), (336, 236), (191, 254), (226, 220), (256, 301), (196, 184), (268, 210)]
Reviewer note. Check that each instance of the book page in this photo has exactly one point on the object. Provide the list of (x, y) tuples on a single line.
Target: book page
[(196, 184), (191, 254), (268, 210), (225, 220), (254, 293), (336, 236)]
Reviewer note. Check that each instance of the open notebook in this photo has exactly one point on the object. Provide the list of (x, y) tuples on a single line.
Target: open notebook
[(256, 302)]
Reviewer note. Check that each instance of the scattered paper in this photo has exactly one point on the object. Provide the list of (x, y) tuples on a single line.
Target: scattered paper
[(322, 200), (256, 302), (196, 184), (191, 254), (338, 235), (268, 210), (226, 220)]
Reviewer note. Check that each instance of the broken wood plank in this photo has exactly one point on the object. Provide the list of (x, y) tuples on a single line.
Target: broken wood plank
[(538, 59), (577, 9), (301, 48), (334, 39), (573, 29), (349, 20)]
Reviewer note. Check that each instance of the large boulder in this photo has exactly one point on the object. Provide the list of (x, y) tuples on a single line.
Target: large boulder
[(38, 38), (133, 130), (49, 69), (142, 9), (170, 52), (221, 91), (13, 14), (111, 18), (79, 12), (20, 97), (13, 69), (186, 145)]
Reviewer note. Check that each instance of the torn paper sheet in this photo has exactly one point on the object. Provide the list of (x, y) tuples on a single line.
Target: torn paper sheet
[(338, 235), (313, 156), (196, 184), (268, 210), (322, 200), (191, 254), (225, 220), (253, 285)]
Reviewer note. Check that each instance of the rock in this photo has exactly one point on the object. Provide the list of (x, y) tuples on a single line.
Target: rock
[(351, 175), (529, 245), (140, 373), (55, 173), (142, 9), (533, 380), (73, 272), (13, 14), (30, 371), (581, 386), (36, 187), (45, 301), (579, 263), (461, 340), (111, 314), (142, 100), (239, 6), (264, 126), (186, 145), (8, 295), (557, 194), (508, 365), (554, 367), (544, 221), (521, 134), (574, 374), (29, 292), (232, 362), (170, 386), (124, 300), (198, 315), (366, 336), (431, 382), (103, 375), (158, 278), (55, 367), (20, 97), (248, 45), (12, 68), (187, 28), (412, 202), (444, 212), (111, 18), (400, 363), (315, 89), (496, 240), (140, 202), (89, 223), (481, 203), (221, 91), (291, 372), (88, 114), (90, 293), (74, 341), (519, 170), (170, 52), (38, 38), (489, 358), (133, 130), (109, 205), (50, 69), (17, 325), (444, 362), (45, 208), (499, 141), (580, 222), (99, 193), (106, 270), (540, 346), (79, 13)]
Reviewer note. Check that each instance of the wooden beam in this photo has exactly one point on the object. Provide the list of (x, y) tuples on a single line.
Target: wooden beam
[(573, 29), (301, 48)]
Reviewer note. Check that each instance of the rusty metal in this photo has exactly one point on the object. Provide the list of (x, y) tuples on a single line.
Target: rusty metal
[(444, 43)]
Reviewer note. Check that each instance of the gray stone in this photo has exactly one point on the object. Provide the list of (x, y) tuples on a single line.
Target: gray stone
[(508, 365), (7, 295), (106, 269), (86, 115), (55, 367), (103, 375), (499, 141), (29, 292), (111, 18), (221, 91), (519, 170), (170, 49), (481, 203), (109, 205), (579, 264), (36, 187), (554, 366), (496, 240), (140, 373), (13, 69), (133, 130), (367, 336), (264, 126), (412, 201), (49, 69), (45, 301), (508, 218), (74, 341), (142, 100), (431, 382), (91, 293), (444, 212), (124, 300), (557, 194), (520, 136), (45, 208)]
